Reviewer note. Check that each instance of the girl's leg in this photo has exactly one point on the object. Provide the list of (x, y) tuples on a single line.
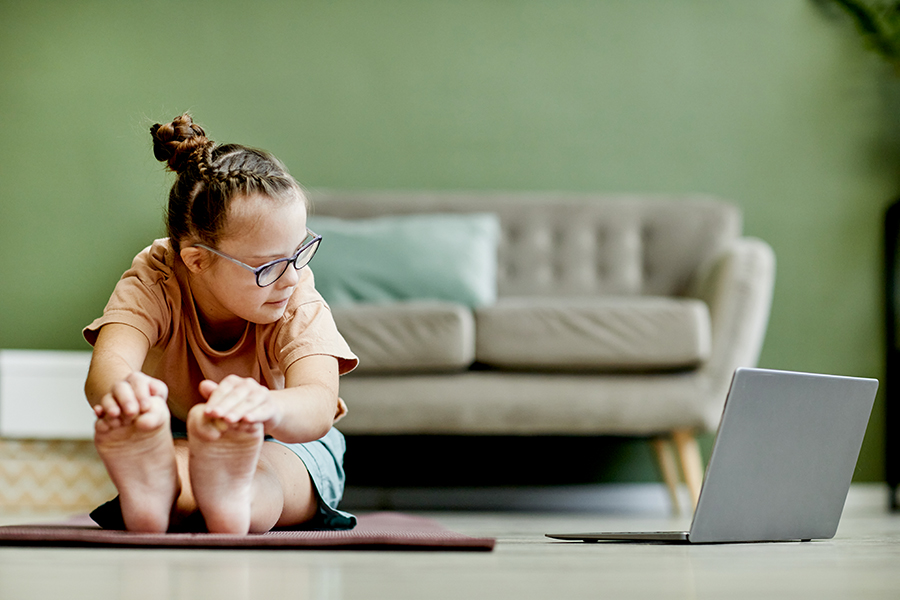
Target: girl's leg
[(239, 483), (283, 491), (140, 458)]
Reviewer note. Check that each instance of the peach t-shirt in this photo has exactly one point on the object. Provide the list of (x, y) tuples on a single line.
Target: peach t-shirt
[(154, 297)]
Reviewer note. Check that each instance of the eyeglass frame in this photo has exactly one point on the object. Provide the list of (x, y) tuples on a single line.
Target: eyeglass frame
[(288, 259)]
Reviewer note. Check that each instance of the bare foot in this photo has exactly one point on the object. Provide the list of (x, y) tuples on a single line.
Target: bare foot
[(140, 457), (222, 465)]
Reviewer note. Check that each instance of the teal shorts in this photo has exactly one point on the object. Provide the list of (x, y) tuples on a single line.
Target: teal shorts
[(324, 461)]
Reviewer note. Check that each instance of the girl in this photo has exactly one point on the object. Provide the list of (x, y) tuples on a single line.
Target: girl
[(214, 375)]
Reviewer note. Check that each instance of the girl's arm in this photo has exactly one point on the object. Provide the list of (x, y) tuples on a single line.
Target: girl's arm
[(302, 412), (115, 384), (309, 399)]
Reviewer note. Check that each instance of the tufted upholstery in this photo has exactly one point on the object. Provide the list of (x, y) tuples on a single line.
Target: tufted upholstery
[(566, 245)]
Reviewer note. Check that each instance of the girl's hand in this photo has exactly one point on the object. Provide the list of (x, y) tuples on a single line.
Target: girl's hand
[(240, 400), (131, 398)]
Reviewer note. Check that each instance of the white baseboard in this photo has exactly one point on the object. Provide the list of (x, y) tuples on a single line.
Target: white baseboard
[(42, 395)]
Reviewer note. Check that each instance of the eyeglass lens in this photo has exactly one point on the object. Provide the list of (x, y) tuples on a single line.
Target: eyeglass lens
[(272, 273)]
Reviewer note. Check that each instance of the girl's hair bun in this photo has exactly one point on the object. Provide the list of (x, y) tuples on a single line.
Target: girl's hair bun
[(179, 143)]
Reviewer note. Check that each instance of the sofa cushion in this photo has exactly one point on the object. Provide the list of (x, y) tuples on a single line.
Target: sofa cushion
[(597, 334), (408, 336), (450, 257)]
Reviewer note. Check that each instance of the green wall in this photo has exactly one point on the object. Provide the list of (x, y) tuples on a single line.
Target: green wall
[(771, 103)]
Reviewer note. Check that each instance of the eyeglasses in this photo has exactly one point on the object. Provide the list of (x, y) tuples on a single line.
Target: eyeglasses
[(270, 272)]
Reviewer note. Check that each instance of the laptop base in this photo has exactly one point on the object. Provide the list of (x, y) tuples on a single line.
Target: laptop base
[(659, 537), (644, 536)]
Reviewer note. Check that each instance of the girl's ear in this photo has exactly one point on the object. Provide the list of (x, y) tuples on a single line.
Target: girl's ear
[(195, 259)]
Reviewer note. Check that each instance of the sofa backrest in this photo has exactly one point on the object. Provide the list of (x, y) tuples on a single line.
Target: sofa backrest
[(574, 244)]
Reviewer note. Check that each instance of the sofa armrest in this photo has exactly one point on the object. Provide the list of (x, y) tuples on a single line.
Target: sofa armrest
[(737, 285)]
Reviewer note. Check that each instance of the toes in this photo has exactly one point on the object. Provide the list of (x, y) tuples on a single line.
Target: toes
[(201, 426), (150, 421)]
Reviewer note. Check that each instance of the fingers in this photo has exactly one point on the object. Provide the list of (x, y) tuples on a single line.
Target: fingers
[(158, 388), (110, 414), (123, 398), (137, 394), (153, 419), (207, 387), (234, 398), (238, 399), (144, 387)]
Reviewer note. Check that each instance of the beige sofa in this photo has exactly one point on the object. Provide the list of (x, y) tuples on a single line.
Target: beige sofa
[(615, 315)]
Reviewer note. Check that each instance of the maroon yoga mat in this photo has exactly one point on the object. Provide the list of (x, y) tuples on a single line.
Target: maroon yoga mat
[(377, 531)]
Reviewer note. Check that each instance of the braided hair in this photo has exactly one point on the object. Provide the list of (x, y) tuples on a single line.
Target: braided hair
[(209, 177)]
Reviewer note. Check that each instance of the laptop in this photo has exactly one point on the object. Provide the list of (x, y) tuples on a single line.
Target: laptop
[(782, 461)]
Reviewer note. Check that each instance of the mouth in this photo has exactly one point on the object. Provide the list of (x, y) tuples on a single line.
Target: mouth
[(278, 303)]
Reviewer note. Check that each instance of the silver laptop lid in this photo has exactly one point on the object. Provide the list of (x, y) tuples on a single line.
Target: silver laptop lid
[(784, 456)]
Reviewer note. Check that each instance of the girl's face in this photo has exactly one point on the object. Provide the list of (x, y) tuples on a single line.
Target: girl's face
[(258, 231)]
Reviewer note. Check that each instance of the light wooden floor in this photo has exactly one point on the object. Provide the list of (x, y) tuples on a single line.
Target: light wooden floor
[(863, 561)]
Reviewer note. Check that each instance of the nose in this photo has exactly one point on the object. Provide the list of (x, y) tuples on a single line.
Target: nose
[(289, 278)]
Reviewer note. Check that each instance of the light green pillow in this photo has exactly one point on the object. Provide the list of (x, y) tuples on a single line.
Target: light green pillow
[(437, 256)]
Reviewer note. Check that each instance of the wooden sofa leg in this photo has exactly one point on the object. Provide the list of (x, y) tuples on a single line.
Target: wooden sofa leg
[(691, 462), (669, 469)]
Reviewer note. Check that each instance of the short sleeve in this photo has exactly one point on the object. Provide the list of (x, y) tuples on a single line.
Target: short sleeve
[(140, 298), (309, 329)]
